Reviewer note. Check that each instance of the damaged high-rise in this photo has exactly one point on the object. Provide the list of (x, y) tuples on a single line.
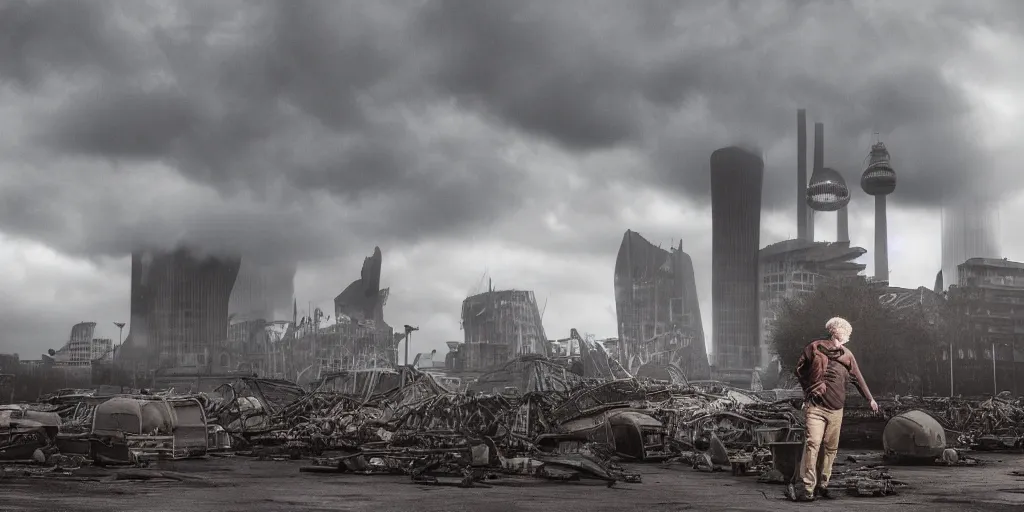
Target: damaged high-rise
[(499, 326), (736, 178), (363, 299), (316, 342), (659, 322), (179, 309), (358, 338)]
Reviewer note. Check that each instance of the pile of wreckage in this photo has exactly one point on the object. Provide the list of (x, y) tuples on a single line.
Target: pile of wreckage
[(995, 423), (532, 416), (78, 425), (405, 421)]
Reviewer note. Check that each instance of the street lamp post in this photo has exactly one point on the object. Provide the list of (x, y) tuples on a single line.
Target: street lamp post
[(408, 337), (120, 333)]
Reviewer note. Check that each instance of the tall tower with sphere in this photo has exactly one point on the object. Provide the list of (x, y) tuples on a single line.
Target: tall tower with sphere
[(827, 191), (879, 180)]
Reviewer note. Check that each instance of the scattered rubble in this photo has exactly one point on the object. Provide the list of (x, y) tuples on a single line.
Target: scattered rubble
[(867, 481), (996, 423), (552, 424)]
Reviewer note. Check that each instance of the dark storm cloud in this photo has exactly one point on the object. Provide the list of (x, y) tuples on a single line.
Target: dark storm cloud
[(286, 102), (566, 73), (38, 37), (125, 122)]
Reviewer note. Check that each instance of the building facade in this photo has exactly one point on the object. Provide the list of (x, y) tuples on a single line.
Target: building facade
[(986, 352), (500, 325), (82, 348), (658, 313), (794, 267), (736, 180), (179, 310)]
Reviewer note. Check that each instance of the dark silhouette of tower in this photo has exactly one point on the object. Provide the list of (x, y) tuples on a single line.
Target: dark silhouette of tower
[(736, 178), (179, 307), (802, 213), (879, 180)]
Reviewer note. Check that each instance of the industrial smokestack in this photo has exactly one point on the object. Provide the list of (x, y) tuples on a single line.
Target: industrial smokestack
[(842, 225), (881, 240), (801, 174), (819, 164)]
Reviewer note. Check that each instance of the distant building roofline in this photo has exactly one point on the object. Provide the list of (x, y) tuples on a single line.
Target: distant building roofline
[(992, 262), (821, 251)]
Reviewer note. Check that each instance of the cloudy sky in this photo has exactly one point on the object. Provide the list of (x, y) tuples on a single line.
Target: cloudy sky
[(517, 138)]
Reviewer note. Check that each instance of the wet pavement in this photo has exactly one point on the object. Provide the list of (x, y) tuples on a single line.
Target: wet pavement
[(245, 484)]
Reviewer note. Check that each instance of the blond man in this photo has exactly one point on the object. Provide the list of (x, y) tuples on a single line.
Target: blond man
[(825, 369)]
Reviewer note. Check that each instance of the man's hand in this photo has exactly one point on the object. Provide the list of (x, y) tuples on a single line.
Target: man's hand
[(874, 406)]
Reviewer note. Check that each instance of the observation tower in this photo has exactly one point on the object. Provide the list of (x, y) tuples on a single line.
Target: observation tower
[(879, 180)]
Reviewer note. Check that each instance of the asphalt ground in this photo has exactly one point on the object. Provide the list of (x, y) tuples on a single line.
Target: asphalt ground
[(245, 484)]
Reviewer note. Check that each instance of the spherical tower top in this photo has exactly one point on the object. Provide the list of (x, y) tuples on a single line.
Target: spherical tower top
[(879, 178), (827, 191)]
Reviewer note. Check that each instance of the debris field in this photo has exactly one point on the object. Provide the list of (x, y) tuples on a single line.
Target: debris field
[(552, 426)]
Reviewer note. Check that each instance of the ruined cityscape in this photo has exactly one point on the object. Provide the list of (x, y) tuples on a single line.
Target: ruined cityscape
[(511, 255), (203, 369)]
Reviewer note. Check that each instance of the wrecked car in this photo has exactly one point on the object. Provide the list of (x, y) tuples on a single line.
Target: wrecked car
[(24, 430)]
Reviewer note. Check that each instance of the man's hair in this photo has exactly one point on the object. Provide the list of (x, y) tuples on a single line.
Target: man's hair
[(837, 325)]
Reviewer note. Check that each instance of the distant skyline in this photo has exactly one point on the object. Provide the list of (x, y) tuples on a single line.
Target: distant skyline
[(305, 133)]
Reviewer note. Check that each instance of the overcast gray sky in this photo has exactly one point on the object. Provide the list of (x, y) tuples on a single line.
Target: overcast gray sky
[(520, 138)]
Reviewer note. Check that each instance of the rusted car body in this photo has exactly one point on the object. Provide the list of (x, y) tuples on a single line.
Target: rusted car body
[(24, 430)]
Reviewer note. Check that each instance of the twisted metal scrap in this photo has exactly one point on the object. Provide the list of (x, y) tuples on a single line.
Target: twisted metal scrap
[(970, 420)]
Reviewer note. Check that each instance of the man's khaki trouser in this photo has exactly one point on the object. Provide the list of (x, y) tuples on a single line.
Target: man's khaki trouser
[(821, 446)]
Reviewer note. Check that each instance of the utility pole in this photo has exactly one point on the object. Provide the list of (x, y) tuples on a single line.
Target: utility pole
[(408, 337)]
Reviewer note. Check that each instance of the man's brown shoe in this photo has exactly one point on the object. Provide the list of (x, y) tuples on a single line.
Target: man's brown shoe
[(798, 494), (804, 496), (824, 493)]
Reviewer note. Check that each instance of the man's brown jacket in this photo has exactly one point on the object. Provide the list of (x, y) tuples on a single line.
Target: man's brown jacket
[(810, 370)]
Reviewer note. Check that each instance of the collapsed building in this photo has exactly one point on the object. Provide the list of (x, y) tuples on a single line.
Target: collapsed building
[(499, 325), (660, 329), (308, 347)]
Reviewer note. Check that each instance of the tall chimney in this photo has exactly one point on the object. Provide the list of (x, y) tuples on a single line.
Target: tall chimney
[(842, 225), (881, 240), (819, 164), (801, 174)]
